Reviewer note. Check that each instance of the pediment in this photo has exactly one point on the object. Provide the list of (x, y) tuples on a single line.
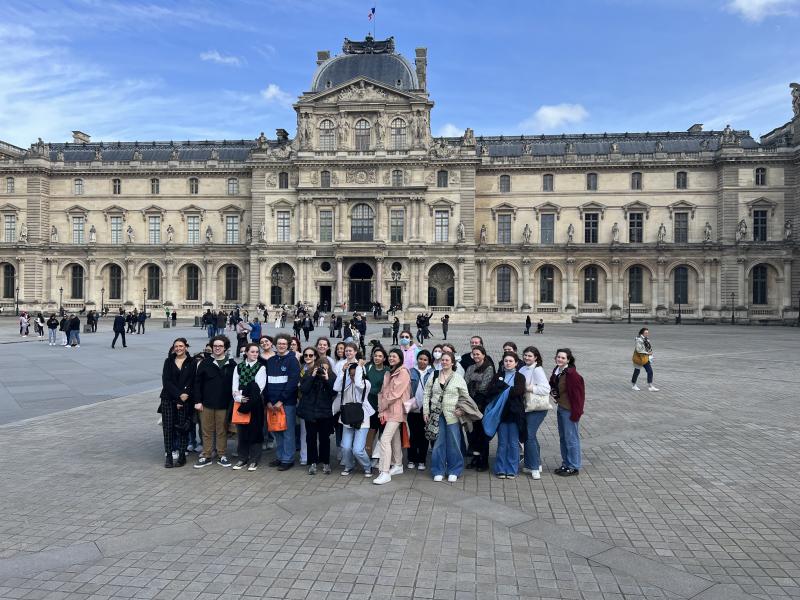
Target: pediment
[(230, 209), (193, 209), (442, 203), (504, 207), (360, 89), (77, 209), (153, 209), (761, 203), (282, 204), (8, 207), (592, 207), (636, 207), (115, 209), (682, 206), (548, 207)]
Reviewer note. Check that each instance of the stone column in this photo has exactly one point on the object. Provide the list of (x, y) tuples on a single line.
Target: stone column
[(418, 221), (787, 285), (661, 292), (484, 284), (571, 299), (341, 216), (129, 285), (51, 279), (208, 280), (706, 283), (422, 289), (615, 285), (339, 281), (525, 284), (741, 297), (460, 283), (21, 280), (379, 280), (169, 278)]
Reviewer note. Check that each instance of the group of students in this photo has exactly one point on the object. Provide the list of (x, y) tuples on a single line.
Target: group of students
[(376, 406)]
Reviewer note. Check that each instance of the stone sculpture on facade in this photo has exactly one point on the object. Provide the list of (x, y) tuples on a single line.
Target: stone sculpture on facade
[(92, 235), (174, 154), (98, 154), (787, 230), (60, 156), (469, 137), (209, 235), (483, 235), (131, 234), (262, 141), (248, 234), (262, 231), (53, 235), (795, 87), (343, 125), (23, 234), (380, 130), (728, 135), (570, 233), (659, 146), (214, 154), (137, 156), (526, 234), (461, 234), (304, 130), (170, 234), (615, 233), (614, 147), (661, 236), (741, 231), (707, 232)]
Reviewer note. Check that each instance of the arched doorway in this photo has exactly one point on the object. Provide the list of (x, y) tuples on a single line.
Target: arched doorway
[(360, 286), (441, 285)]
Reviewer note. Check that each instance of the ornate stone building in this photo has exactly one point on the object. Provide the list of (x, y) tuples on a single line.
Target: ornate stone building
[(363, 204)]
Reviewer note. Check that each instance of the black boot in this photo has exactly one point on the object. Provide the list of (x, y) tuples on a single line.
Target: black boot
[(181, 459), (483, 464), (473, 463), (168, 461)]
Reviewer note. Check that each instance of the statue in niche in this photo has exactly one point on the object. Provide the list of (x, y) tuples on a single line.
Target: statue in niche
[(614, 147), (170, 234), (344, 131), (214, 154), (131, 234), (787, 230), (461, 234), (60, 156), (174, 154), (262, 231), (248, 234), (53, 235), (741, 231), (483, 235), (209, 235), (380, 129), (526, 234), (23, 234), (659, 146), (661, 236), (570, 233), (707, 232), (92, 235), (615, 233)]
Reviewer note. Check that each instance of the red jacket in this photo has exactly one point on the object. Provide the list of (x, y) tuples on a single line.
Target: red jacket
[(576, 392)]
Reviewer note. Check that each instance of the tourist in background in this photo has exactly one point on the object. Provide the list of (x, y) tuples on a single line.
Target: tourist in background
[(52, 329), (643, 358)]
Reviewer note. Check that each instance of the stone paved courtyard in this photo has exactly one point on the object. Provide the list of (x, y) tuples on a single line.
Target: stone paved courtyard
[(691, 492)]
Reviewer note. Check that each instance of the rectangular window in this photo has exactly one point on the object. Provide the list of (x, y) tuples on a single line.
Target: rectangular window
[(681, 228), (154, 229), (548, 229), (636, 228), (283, 226), (78, 224), (116, 230), (10, 228), (326, 226), (397, 225), (759, 226), (232, 229), (503, 229), (193, 229), (547, 183), (591, 223), (442, 225)]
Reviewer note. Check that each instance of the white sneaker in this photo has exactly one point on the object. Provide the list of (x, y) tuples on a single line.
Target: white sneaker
[(382, 478), (635, 388), (653, 388), (438, 477), (536, 474), (174, 455), (452, 478), (420, 466), (396, 470), (412, 465)]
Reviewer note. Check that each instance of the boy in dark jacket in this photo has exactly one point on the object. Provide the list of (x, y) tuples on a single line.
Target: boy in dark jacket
[(212, 394), (283, 376)]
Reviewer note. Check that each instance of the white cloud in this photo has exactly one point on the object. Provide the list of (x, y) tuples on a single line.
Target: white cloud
[(449, 130), (551, 117), (757, 10), (275, 94), (220, 59)]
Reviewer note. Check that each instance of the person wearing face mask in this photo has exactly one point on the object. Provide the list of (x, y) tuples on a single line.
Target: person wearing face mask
[(512, 419), (420, 374), (249, 381), (409, 350), (537, 403), (479, 376), (567, 390)]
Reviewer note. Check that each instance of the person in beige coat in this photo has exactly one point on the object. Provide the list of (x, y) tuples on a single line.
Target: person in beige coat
[(391, 411)]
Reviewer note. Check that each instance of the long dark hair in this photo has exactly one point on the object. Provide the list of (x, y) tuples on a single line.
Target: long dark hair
[(537, 356), (399, 353), (570, 358), (643, 329)]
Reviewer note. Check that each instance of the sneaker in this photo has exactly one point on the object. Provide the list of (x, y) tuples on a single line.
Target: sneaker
[(501, 475), (312, 470), (275, 463), (345, 473), (202, 462), (636, 388), (527, 470), (303, 463), (198, 448), (396, 470), (412, 465), (174, 455), (253, 466), (653, 388), (559, 470), (223, 461), (326, 469), (368, 474), (536, 474), (452, 478), (285, 466), (382, 478), (190, 448), (567, 472), (420, 466), (240, 465), (438, 478), (511, 476)]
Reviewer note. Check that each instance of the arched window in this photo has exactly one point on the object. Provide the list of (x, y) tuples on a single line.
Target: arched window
[(76, 281), (9, 280), (77, 187), (283, 180), (231, 283), (441, 179), (761, 176), (681, 285), (362, 223), (504, 283), (635, 285), (325, 179), (398, 134), (591, 182), (397, 178), (636, 181), (681, 180), (155, 186), (116, 186), (115, 282), (194, 185), (9, 185), (760, 284), (153, 282), (362, 135), (327, 136), (233, 186), (590, 285), (192, 282), (546, 285), (505, 184), (547, 182)]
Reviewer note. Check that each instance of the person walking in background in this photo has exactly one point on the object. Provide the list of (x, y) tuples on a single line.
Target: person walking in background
[(119, 329), (540, 326), (527, 324), (174, 316), (395, 331), (332, 326), (567, 390), (445, 326), (74, 331), (255, 330), (642, 358), (537, 403), (140, 322), (23, 324), (63, 327)]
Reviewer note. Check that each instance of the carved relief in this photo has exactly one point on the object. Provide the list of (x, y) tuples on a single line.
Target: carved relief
[(314, 178), (362, 176), (280, 153), (455, 177), (361, 91)]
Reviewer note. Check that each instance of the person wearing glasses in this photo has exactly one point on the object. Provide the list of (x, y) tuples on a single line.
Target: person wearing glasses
[(212, 397)]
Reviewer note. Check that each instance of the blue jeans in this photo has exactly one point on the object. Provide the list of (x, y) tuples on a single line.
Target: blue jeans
[(75, 337), (284, 440), (211, 330), (533, 458), (354, 443), (446, 458), (648, 369), (570, 440), (507, 460), (51, 335)]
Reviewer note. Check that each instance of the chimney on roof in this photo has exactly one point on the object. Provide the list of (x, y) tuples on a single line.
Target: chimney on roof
[(78, 137), (282, 134), (696, 128), (322, 56), (422, 67)]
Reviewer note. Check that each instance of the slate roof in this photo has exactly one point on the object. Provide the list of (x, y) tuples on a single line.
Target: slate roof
[(387, 67), (238, 150)]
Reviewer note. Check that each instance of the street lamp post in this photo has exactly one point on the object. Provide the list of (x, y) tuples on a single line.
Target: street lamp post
[(144, 302), (395, 281), (733, 309), (629, 309), (798, 308), (102, 303), (16, 301), (678, 318), (61, 301)]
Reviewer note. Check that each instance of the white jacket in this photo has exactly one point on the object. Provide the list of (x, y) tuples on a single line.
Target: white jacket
[(355, 389)]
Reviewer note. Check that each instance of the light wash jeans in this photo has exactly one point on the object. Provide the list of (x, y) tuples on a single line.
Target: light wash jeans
[(75, 336), (446, 458), (570, 440), (507, 459), (284, 440), (51, 335), (354, 443), (533, 458)]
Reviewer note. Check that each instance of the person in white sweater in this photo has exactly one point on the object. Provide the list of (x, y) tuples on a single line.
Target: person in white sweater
[(537, 403)]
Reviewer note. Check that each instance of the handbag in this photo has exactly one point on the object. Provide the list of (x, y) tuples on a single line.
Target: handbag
[(405, 436), (640, 359), (239, 418), (536, 402), (276, 419)]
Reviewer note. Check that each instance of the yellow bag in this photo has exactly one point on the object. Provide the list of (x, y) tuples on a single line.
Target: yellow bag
[(640, 359)]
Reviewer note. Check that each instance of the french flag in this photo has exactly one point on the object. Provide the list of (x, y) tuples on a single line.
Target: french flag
[(371, 14)]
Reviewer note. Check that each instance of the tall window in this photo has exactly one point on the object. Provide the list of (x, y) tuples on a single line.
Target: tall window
[(115, 282), (681, 232), (154, 229), (759, 226), (231, 283), (233, 186), (9, 185), (78, 187), (442, 225), (546, 285), (504, 283), (78, 225), (397, 178), (116, 186), (503, 229), (325, 179), (116, 229), (284, 226), (362, 135), (192, 282), (194, 185), (327, 136), (591, 223), (681, 292), (591, 182), (441, 179), (760, 284), (232, 229), (635, 285), (681, 180), (397, 225), (9, 280), (153, 282), (362, 223), (548, 228), (505, 184), (326, 226), (636, 228), (283, 180), (761, 176), (76, 281), (155, 186), (193, 229), (10, 228), (590, 285), (636, 181), (548, 184), (398, 134)]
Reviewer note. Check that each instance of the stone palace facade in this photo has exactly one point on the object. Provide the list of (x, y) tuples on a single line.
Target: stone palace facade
[(364, 204)]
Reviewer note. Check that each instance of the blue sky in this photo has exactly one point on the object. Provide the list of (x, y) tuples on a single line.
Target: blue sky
[(129, 70)]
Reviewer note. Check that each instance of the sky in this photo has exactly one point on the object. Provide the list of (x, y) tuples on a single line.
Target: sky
[(197, 69)]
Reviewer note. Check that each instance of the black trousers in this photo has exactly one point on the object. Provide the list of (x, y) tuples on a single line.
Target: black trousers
[(418, 452), (318, 441), (247, 452), (394, 337), (116, 335), (141, 327), (478, 442), (170, 418)]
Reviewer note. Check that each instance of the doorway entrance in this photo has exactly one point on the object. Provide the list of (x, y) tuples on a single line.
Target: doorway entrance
[(360, 287), (325, 298)]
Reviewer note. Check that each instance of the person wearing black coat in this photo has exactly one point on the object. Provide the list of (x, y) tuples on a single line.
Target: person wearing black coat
[(177, 380), (315, 407), (249, 381), (119, 329), (511, 429), (212, 396)]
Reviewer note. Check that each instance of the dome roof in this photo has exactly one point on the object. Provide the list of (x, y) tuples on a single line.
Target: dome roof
[(375, 60)]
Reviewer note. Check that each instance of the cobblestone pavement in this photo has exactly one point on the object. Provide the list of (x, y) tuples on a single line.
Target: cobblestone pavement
[(690, 492)]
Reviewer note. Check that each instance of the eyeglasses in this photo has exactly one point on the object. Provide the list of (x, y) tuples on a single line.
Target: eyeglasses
[(308, 355), (218, 346)]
